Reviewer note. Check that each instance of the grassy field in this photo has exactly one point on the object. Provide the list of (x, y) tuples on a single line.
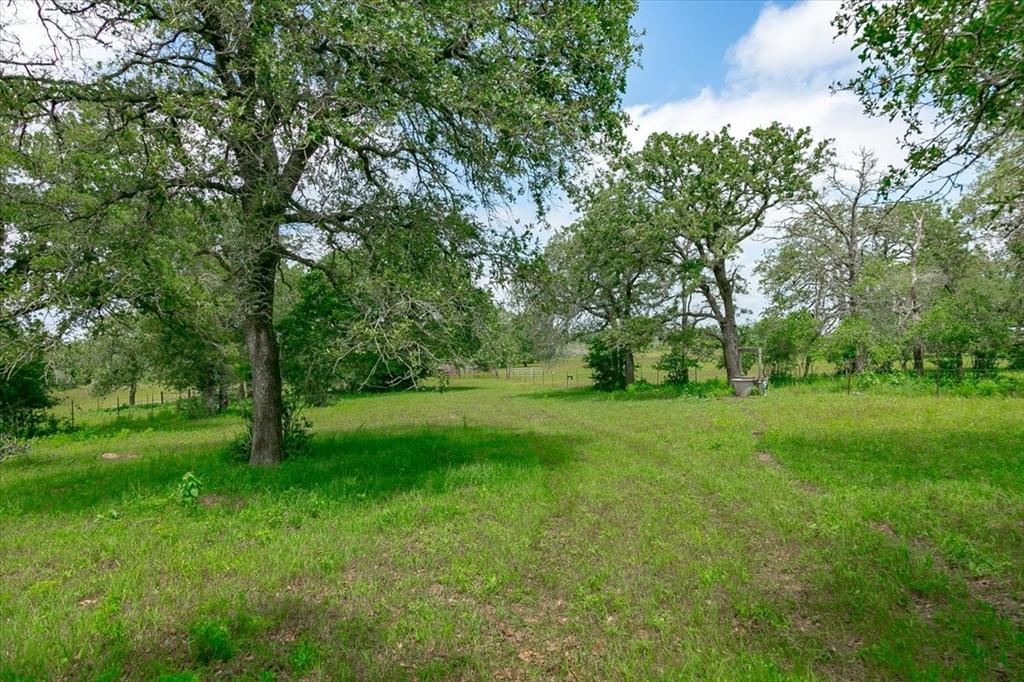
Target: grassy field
[(515, 530)]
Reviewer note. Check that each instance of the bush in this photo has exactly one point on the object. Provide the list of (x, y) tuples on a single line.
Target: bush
[(188, 489), (909, 383), (607, 363), (643, 390), (676, 363), (192, 408), (24, 399)]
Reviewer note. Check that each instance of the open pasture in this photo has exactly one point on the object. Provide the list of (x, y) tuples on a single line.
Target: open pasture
[(509, 530)]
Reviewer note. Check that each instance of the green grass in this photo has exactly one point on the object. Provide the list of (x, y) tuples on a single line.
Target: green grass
[(514, 530)]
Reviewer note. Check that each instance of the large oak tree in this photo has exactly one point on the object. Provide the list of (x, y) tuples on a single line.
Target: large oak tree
[(305, 122), (715, 191)]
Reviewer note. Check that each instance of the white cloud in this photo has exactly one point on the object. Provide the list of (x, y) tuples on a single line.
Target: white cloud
[(836, 116), (780, 70), (792, 42)]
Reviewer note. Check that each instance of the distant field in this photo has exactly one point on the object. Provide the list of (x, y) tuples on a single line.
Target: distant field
[(86, 402), (516, 530)]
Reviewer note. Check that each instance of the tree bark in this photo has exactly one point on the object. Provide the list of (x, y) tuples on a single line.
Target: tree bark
[(629, 367), (915, 304), (210, 398), (258, 280), (265, 361), (131, 394), (730, 350), (859, 363), (267, 437), (727, 321)]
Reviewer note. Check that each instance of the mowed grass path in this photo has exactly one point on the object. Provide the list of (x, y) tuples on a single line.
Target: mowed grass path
[(511, 531)]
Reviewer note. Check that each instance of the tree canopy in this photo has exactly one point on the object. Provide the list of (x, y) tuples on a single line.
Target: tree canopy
[(301, 123), (950, 69)]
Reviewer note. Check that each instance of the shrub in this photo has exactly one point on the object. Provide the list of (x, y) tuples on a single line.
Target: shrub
[(188, 489), (676, 363), (24, 399), (643, 390), (607, 363), (192, 408)]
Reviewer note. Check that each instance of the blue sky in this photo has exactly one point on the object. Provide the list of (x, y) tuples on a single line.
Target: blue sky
[(684, 45)]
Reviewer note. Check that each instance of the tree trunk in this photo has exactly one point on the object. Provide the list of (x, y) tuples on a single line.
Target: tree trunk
[(730, 350), (131, 394), (727, 322), (859, 362), (267, 438), (629, 369), (918, 359), (209, 393), (915, 304)]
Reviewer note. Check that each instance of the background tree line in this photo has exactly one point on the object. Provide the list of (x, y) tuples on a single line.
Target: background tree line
[(857, 277)]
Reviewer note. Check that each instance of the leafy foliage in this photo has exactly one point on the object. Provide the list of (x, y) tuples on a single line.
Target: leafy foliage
[(607, 363), (787, 342), (959, 61), (393, 323), (24, 399), (712, 192), (607, 274), (685, 347), (850, 341), (188, 489)]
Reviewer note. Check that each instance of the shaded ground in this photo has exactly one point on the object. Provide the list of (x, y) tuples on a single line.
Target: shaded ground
[(509, 533)]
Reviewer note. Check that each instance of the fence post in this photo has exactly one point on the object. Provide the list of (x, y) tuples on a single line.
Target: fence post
[(72, 413)]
